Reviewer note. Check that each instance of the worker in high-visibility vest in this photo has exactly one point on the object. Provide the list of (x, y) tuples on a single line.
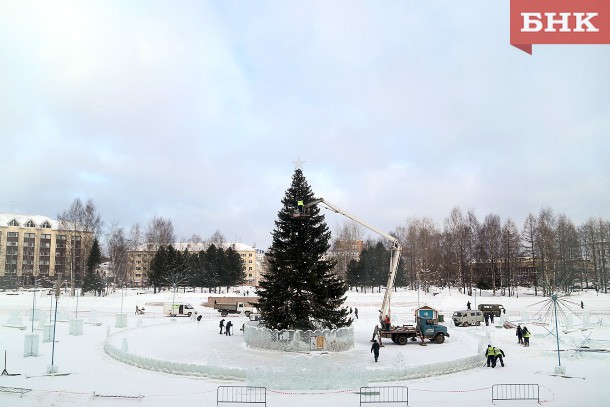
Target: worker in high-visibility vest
[(491, 356), (499, 355), (526, 336), (300, 205)]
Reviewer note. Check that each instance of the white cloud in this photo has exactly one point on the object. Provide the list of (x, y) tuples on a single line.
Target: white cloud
[(196, 111)]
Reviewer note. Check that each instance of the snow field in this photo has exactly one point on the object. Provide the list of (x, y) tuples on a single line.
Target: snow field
[(336, 377)]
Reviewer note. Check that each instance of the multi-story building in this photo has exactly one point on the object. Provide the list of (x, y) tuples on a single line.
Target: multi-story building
[(34, 246), (138, 261), (344, 251)]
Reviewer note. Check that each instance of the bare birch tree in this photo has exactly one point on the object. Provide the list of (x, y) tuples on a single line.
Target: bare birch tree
[(118, 248), (545, 235), (511, 245), (491, 234), (459, 233), (346, 246), (568, 252), (159, 232), (531, 245), (74, 221), (217, 239)]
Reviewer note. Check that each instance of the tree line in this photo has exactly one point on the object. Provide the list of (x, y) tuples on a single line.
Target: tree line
[(114, 242), (549, 252), (211, 268)]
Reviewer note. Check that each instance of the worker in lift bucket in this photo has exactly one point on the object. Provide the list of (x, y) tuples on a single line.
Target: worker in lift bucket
[(300, 206)]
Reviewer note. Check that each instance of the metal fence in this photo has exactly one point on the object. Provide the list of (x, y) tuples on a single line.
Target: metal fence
[(384, 394), (515, 392), (20, 390), (241, 394)]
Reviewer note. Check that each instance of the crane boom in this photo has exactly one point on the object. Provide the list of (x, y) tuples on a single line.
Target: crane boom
[(395, 252)]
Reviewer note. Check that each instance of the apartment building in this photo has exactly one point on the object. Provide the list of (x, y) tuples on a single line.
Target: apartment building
[(34, 246), (139, 260)]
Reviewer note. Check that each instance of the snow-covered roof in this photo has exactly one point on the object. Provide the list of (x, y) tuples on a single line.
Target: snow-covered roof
[(22, 220)]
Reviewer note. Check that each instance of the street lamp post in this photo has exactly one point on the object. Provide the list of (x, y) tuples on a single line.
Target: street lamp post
[(34, 305), (418, 283), (475, 298), (57, 292)]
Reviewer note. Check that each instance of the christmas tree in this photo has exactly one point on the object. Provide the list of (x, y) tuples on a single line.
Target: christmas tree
[(299, 289), (92, 281)]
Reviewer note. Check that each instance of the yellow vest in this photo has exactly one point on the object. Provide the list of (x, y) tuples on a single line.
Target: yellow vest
[(491, 351)]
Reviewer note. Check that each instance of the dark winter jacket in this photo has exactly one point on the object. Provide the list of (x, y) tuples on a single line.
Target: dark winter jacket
[(375, 347)]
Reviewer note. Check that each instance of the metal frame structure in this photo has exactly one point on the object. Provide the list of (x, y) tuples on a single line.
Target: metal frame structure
[(384, 394), (241, 394), (396, 250), (505, 392)]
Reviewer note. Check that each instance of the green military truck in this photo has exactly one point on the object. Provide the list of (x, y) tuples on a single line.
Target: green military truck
[(425, 328), (495, 309)]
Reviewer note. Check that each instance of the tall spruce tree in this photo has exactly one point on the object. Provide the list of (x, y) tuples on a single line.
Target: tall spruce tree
[(92, 280), (299, 289)]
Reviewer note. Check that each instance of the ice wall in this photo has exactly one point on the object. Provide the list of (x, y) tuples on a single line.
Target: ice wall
[(308, 372), (214, 369), (333, 340), (315, 371)]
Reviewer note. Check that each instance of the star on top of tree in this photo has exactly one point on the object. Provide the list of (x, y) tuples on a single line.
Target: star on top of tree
[(298, 164)]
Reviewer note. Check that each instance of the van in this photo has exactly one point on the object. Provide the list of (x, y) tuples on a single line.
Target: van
[(467, 317), (178, 309), (495, 309)]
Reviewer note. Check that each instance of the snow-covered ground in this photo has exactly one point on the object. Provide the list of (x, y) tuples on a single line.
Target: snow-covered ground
[(183, 361)]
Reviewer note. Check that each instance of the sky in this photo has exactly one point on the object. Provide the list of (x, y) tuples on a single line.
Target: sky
[(196, 111)]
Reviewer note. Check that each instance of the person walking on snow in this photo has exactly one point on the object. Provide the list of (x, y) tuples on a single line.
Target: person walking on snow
[(526, 337), (356, 312), (222, 324), (375, 350), (499, 355), (490, 353), (228, 328), (468, 305), (519, 334)]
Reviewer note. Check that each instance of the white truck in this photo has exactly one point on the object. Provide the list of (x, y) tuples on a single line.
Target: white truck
[(234, 308), (467, 317), (178, 309)]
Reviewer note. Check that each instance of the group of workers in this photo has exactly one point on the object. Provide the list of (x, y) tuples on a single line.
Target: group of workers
[(523, 335), (227, 328), (493, 355)]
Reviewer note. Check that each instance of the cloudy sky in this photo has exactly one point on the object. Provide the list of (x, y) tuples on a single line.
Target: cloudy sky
[(196, 110)]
